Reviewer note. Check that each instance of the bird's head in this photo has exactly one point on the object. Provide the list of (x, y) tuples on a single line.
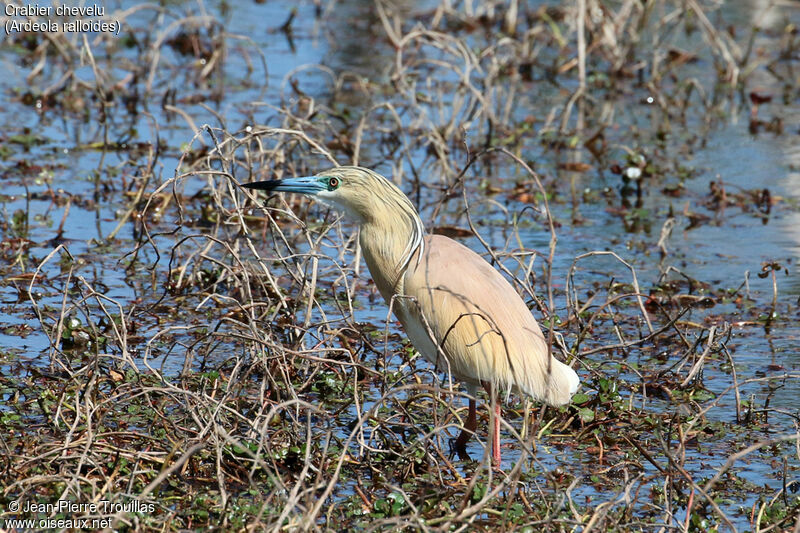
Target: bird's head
[(359, 192)]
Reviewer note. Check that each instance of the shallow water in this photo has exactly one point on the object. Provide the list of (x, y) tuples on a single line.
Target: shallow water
[(725, 250)]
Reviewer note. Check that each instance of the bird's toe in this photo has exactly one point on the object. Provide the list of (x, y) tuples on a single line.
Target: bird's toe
[(458, 448)]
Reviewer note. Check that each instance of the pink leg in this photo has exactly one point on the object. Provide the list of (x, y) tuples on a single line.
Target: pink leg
[(496, 424), (466, 433)]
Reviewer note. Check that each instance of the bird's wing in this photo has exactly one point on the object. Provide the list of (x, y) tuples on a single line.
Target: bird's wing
[(482, 325)]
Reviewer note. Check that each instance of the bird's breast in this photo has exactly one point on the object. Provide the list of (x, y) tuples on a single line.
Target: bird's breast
[(417, 330)]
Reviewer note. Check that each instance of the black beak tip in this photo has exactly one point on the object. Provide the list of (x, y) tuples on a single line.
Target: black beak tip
[(261, 185)]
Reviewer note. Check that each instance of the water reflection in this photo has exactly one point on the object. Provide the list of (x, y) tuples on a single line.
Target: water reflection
[(358, 41)]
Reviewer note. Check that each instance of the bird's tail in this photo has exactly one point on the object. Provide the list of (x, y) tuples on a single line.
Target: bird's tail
[(562, 383)]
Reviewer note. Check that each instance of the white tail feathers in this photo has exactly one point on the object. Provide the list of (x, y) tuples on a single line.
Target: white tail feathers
[(560, 384)]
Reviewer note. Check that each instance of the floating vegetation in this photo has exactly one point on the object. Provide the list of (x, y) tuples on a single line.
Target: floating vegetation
[(197, 356)]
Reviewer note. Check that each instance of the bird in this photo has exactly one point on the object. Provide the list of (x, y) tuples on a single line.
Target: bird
[(458, 311)]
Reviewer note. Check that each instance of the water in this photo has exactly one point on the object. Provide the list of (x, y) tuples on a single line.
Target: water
[(342, 64)]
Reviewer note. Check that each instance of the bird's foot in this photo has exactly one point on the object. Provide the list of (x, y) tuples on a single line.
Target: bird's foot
[(497, 463), (459, 448)]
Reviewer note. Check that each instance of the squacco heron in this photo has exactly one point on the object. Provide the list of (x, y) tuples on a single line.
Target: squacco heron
[(460, 313)]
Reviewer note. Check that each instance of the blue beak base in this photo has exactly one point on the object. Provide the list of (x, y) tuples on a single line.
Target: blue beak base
[(302, 185)]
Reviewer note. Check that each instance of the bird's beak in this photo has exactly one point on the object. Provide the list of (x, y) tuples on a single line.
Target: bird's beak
[(304, 185)]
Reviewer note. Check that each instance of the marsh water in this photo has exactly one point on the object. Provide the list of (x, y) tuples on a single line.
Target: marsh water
[(712, 222)]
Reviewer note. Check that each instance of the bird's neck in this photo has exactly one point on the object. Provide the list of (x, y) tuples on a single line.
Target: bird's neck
[(383, 244)]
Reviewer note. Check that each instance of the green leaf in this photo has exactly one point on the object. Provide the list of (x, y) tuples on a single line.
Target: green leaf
[(580, 398)]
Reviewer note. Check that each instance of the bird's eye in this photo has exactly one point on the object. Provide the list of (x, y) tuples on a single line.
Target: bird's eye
[(333, 183)]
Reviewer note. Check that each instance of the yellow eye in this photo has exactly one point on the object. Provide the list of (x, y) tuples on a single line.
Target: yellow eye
[(333, 183)]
